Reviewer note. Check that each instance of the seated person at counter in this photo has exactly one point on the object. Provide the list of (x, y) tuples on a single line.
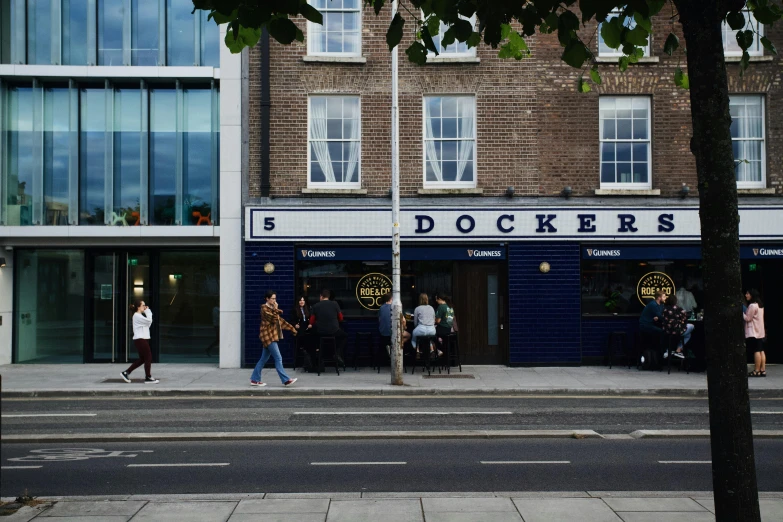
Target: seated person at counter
[(650, 321), (326, 316), (385, 323), (424, 322), (675, 322), (686, 299)]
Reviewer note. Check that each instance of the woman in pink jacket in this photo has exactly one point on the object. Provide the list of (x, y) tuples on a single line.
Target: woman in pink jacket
[(754, 332)]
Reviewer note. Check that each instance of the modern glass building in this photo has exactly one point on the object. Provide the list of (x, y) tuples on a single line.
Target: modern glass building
[(110, 178)]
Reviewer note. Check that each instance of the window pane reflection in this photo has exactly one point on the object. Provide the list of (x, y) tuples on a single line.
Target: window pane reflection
[(127, 154), (19, 168), (210, 42), (92, 147), (39, 28), (56, 154), (110, 14), (197, 178), (144, 32), (181, 33), (163, 156), (74, 44)]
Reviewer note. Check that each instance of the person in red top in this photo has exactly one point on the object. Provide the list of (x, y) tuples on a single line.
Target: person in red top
[(326, 316), (675, 322)]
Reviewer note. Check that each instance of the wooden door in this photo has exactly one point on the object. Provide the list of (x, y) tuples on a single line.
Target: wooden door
[(480, 310)]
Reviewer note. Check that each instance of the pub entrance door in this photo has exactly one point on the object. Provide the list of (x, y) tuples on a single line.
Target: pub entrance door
[(480, 290)]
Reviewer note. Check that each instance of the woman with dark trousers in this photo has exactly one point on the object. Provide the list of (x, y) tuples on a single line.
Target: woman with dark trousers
[(142, 320), (301, 321)]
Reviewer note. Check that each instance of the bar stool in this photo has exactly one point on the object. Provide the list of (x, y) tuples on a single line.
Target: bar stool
[(421, 342), (385, 341), (323, 342), (452, 352), (363, 340), (617, 339), (672, 340)]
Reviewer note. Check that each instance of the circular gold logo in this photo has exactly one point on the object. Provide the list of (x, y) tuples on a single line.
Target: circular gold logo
[(370, 290), (544, 267), (650, 283)]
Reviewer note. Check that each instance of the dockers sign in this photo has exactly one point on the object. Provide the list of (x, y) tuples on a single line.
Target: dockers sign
[(498, 223)]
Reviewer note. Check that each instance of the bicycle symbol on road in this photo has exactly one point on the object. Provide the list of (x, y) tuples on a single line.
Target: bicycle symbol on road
[(69, 454)]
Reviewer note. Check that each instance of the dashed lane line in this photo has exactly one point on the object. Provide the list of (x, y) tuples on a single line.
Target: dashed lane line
[(178, 464), (358, 463), (20, 467), (684, 462), (19, 415), (525, 461)]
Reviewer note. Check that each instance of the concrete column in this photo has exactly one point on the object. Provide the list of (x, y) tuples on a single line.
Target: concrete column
[(230, 222), (6, 305)]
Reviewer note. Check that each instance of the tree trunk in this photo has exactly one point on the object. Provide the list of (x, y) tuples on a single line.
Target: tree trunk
[(733, 465)]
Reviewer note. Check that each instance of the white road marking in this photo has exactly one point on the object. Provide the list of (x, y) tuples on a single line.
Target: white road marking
[(358, 463), (684, 462), (403, 413), (766, 413), (17, 415), (20, 467), (172, 465), (525, 461)]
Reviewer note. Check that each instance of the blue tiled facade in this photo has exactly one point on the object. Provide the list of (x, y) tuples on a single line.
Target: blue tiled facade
[(595, 332), (257, 282), (544, 309)]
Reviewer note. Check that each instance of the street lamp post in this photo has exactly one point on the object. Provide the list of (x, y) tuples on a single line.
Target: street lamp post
[(396, 347)]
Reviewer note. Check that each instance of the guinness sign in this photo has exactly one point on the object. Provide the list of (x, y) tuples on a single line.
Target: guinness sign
[(650, 283), (370, 290)]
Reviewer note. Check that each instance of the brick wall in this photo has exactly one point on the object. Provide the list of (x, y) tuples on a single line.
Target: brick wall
[(257, 282), (525, 111), (544, 309)]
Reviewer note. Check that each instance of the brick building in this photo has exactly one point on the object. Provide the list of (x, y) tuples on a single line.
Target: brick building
[(542, 211)]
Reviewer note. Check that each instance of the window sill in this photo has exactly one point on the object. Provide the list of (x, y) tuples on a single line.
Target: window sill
[(453, 59), (627, 192), (755, 191), (335, 191), (616, 59), (450, 191), (736, 59), (334, 59)]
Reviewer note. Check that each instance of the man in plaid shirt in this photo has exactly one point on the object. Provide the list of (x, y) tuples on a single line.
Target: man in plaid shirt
[(271, 331)]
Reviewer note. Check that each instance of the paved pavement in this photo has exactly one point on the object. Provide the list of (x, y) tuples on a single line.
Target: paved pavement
[(585, 506), (206, 379)]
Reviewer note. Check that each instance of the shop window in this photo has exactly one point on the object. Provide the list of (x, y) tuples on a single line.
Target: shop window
[(49, 306), (747, 139), (456, 49), (449, 141), (606, 51), (625, 142), (109, 155), (340, 33), (107, 32), (613, 286), (334, 141), (730, 45)]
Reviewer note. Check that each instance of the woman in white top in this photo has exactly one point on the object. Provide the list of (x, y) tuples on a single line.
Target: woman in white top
[(142, 320), (423, 321), (754, 332)]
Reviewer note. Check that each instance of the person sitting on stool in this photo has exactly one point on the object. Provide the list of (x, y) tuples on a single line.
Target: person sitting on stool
[(651, 320), (385, 323)]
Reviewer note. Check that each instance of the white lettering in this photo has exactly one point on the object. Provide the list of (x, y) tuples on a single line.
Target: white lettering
[(487, 253), (771, 251), (606, 253), (321, 253)]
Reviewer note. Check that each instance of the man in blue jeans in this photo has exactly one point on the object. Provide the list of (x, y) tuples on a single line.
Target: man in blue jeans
[(271, 331)]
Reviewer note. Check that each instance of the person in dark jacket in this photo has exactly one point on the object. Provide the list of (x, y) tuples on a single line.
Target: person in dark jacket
[(326, 317)]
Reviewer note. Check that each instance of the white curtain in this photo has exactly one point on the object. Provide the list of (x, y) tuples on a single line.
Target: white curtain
[(318, 136), (465, 135), (355, 144), (429, 144)]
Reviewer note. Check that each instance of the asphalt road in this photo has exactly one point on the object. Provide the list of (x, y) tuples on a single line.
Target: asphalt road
[(331, 466), (156, 415)]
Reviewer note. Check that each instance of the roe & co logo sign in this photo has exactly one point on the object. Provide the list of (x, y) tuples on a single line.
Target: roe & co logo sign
[(318, 254), (650, 283), (370, 290), (481, 254)]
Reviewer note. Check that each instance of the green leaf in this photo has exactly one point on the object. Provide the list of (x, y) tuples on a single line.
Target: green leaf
[(575, 54), (394, 35), (681, 79), (241, 38), (426, 38), (433, 25), (283, 30), (745, 39), (462, 29), (377, 5), (551, 20), (567, 25), (636, 36), (611, 33), (221, 18), (473, 40), (767, 14), (515, 47), (623, 63), (655, 7), (643, 22), (671, 45), (311, 13), (449, 37), (744, 62), (595, 76), (582, 86), (417, 53), (735, 20), (505, 31), (768, 45)]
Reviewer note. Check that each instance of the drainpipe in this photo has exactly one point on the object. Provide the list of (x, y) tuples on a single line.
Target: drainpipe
[(265, 114)]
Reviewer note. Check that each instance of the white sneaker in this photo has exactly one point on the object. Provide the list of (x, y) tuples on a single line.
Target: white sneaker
[(125, 376), (679, 354), (257, 383), (151, 380), (666, 354), (642, 360)]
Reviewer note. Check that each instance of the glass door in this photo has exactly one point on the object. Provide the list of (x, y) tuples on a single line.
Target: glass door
[(137, 285)]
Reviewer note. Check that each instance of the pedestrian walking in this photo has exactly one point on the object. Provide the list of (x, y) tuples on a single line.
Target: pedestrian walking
[(142, 320), (755, 332), (271, 331)]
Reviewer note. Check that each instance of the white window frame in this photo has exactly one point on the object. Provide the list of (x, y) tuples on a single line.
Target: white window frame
[(628, 185), (312, 28), (342, 184), (470, 53), (728, 34), (448, 184), (763, 182), (616, 53)]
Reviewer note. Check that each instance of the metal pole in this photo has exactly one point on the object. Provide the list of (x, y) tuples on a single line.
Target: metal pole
[(396, 348)]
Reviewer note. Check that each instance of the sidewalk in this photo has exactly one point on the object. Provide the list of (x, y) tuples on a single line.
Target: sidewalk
[(21, 380), (584, 506)]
